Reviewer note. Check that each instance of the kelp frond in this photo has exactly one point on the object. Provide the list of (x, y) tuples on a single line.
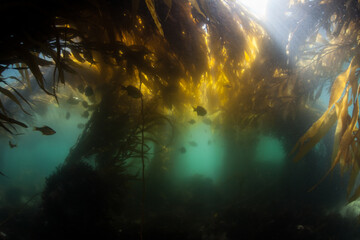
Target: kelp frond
[(328, 54)]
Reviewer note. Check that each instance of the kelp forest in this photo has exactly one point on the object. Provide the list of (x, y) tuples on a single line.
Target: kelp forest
[(179, 119)]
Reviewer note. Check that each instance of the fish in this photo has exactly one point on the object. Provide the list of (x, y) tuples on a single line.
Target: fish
[(193, 144), (200, 111), (132, 91), (45, 130), (88, 91), (192, 121), (85, 104), (73, 100), (209, 142), (3, 174), (12, 145), (67, 115), (81, 125), (182, 150), (85, 114)]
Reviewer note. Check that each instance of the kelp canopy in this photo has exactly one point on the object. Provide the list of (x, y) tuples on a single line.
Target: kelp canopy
[(248, 74)]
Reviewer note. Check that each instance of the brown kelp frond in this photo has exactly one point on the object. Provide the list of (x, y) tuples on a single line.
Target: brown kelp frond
[(168, 41), (331, 48)]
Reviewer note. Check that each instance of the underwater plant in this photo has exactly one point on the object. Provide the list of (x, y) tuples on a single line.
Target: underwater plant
[(163, 57)]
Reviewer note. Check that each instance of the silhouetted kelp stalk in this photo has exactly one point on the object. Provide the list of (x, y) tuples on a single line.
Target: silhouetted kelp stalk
[(142, 161)]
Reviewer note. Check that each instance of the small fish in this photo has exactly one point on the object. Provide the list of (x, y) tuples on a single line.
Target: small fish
[(132, 91), (192, 121), (81, 125), (85, 104), (88, 91), (12, 145), (85, 114), (45, 130), (193, 144), (73, 100), (182, 150), (67, 115), (3, 174), (200, 111), (207, 121)]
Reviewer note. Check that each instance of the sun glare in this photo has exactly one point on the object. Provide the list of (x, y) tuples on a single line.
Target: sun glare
[(256, 7)]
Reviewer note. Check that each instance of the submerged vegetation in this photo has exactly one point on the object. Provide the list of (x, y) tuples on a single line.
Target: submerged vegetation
[(142, 70)]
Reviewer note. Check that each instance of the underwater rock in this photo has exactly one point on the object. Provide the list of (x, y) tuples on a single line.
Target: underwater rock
[(351, 210)]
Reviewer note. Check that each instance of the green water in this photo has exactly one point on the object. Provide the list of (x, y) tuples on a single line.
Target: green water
[(204, 152), (37, 155), (270, 150)]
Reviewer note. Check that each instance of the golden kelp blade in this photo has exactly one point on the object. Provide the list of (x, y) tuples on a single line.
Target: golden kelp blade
[(339, 84), (348, 137), (342, 116), (151, 7), (316, 132), (195, 4)]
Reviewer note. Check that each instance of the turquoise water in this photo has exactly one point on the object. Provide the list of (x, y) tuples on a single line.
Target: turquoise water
[(204, 152), (270, 150), (36, 156)]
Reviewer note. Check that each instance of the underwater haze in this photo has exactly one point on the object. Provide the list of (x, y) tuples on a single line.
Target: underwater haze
[(186, 119)]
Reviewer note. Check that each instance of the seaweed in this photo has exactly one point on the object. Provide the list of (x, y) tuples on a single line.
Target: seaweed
[(186, 53)]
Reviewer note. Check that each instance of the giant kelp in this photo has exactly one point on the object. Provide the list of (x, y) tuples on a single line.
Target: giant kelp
[(183, 53), (328, 48)]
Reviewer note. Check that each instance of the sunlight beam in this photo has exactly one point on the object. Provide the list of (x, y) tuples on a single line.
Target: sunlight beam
[(256, 7)]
